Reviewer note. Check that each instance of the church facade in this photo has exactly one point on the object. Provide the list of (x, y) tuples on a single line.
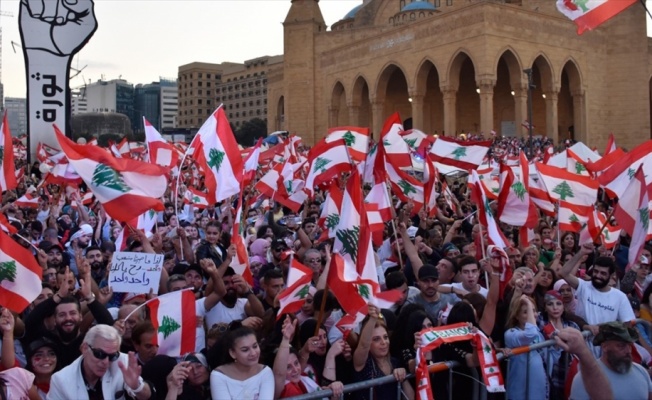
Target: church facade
[(458, 66)]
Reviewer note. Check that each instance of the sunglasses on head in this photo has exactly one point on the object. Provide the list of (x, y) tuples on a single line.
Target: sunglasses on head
[(101, 354)]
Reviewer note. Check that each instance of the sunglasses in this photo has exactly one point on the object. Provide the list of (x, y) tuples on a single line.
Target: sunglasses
[(101, 354), (280, 249)]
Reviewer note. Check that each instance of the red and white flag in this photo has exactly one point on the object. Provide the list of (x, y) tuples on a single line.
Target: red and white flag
[(485, 214), (356, 139), (27, 200), (573, 217), (430, 179), (514, 205), (251, 164), (174, 319), (575, 164), (6, 226), (240, 263), (219, 156), (325, 162), (617, 177), (126, 188), (196, 197), (406, 187), (160, 151), (588, 15), (611, 145), (633, 214), (394, 147), (330, 212), (8, 175), (461, 154), (20, 275), (566, 186), (298, 287)]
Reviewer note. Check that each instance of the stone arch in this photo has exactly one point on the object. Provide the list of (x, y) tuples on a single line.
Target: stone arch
[(514, 64), (338, 110), (572, 102), (392, 93), (386, 73), (546, 72), (509, 94), (280, 114), (454, 66), (427, 99), (360, 104), (462, 103)]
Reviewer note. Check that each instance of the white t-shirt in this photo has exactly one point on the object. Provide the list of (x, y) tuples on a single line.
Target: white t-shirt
[(458, 285), (598, 307), (221, 313), (258, 387)]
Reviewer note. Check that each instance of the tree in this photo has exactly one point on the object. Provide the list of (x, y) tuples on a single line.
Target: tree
[(321, 163), (104, 175), (411, 142), (631, 172), (573, 218), (332, 220), (519, 190), (168, 326), (579, 168), (459, 152), (303, 292), (8, 271), (406, 187), (349, 138), (364, 292), (563, 190), (215, 158), (250, 131), (350, 239), (644, 215)]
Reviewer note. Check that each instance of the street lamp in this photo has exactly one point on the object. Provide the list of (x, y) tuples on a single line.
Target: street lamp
[(530, 86)]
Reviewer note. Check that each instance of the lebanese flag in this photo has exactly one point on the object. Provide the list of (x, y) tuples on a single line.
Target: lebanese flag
[(566, 186), (298, 286), (43, 152), (240, 263), (597, 167), (343, 289), (62, 172), (633, 214), (251, 164), (485, 215), (616, 179), (394, 147), (8, 176), (491, 184), (20, 173), (174, 318), (417, 140), (126, 188), (611, 145), (466, 155), (590, 14), (540, 196), (406, 187), (378, 195), (20, 275), (122, 149), (6, 226), (144, 222), (325, 162), (575, 164), (196, 197), (219, 156), (525, 124), (572, 217), (448, 196), (290, 187), (330, 212), (27, 200), (160, 151), (514, 205), (430, 194), (356, 139)]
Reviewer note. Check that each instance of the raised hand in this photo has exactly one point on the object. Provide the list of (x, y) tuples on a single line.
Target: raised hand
[(105, 295), (131, 371), (207, 265), (289, 327), (7, 322)]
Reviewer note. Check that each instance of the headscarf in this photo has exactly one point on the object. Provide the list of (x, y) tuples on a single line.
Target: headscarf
[(570, 307), (84, 229), (257, 248)]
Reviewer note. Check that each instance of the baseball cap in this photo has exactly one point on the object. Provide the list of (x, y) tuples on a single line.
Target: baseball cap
[(47, 246), (279, 243), (615, 331), (196, 358), (428, 272)]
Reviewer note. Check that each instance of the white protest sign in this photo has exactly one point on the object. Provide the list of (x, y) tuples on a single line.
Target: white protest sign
[(135, 272)]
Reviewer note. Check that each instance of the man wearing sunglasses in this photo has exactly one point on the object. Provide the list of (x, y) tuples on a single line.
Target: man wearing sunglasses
[(102, 372)]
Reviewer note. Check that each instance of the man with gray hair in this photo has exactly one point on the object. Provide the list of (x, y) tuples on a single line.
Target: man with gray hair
[(102, 372)]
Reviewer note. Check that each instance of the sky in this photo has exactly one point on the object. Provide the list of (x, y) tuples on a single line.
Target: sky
[(142, 40)]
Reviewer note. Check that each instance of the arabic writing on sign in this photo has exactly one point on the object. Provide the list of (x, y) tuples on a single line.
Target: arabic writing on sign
[(135, 272)]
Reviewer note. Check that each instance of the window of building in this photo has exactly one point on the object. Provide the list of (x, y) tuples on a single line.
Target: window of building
[(231, 115), (257, 112), (198, 101), (237, 114), (208, 84), (199, 83), (251, 112), (199, 92), (251, 103), (449, 2), (217, 98), (208, 76), (199, 121), (218, 77), (265, 101), (199, 75), (190, 101), (237, 105)]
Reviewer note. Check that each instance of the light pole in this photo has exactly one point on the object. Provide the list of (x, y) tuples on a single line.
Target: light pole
[(530, 86)]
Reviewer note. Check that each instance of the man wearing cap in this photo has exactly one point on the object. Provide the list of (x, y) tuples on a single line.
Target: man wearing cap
[(279, 258), (628, 380), (433, 301), (55, 254)]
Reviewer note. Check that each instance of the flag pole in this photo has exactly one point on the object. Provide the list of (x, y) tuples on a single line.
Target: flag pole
[(389, 201), (606, 221), (484, 253), (28, 241)]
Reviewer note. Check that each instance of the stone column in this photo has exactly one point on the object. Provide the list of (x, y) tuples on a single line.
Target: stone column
[(417, 111), (520, 108), (333, 113), (354, 115), (579, 121), (486, 105), (450, 111), (377, 109), (552, 115)]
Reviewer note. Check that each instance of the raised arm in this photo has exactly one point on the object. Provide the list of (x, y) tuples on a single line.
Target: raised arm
[(570, 268), (361, 352), (283, 355)]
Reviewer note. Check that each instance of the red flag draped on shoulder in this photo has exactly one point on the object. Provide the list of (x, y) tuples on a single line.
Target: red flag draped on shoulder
[(633, 214), (220, 157), (465, 155), (8, 177), (125, 187), (588, 15), (160, 151), (20, 275)]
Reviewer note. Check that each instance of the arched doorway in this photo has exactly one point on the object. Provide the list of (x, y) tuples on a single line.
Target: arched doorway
[(360, 109), (571, 104), (392, 93), (467, 107), (338, 112), (280, 114), (507, 114), (432, 110)]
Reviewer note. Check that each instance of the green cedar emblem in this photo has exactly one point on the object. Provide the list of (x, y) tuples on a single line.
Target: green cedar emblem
[(320, 164), (2, 154), (579, 168), (606, 234), (350, 239), (631, 172), (349, 138), (332, 220), (363, 290), (411, 142), (288, 186), (151, 214), (303, 292), (386, 143), (372, 149), (406, 187), (8, 271), (196, 199), (486, 348), (581, 4), (563, 190), (644, 215), (104, 175), (573, 218), (487, 208), (215, 158), (168, 326), (459, 152)]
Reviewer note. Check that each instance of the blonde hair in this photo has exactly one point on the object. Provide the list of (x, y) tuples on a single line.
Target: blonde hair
[(515, 308)]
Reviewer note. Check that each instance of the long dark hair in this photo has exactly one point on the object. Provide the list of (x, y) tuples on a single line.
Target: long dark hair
[(219, 353)]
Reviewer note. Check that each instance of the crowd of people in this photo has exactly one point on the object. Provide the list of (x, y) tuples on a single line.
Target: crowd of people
[(80, 339)]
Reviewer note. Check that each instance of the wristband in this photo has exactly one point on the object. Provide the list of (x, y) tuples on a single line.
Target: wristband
[(134, 392)]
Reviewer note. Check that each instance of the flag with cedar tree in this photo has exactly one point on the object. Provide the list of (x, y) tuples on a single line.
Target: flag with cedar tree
[(573, 217), (219, 156), (125, 187), (617, 177), (159, 150), (514, 205), (394, 147), (633, 214), (297, 289), (461, 154), (251, 163), (485, 213), (330, 212), (562, 185), (326, 161), (355, 138), (8, 176), (196, 198), (589, 14), (174, 318), (575, 164), (20, 275)]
